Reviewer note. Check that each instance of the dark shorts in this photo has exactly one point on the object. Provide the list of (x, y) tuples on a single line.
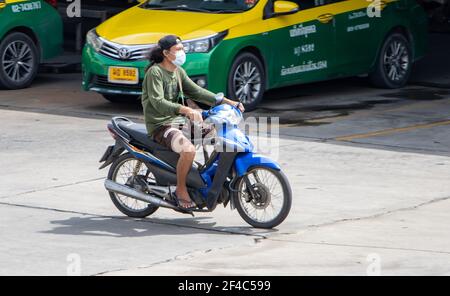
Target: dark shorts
[(196, 134)]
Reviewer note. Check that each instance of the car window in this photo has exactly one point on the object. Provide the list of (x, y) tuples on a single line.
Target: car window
[(306, 4), (213, 6)]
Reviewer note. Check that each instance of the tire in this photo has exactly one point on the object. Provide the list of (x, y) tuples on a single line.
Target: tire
[(145, 211), (285, 208), (388, 61), (121, 99), (253, 86), (19, 61)]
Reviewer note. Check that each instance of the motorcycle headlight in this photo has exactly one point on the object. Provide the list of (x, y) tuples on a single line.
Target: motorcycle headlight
[(224, 114), (234, 117), (203, 44), (94, 40)]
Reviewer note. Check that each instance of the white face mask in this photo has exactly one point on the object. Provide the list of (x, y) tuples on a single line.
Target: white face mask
[(180, 58)]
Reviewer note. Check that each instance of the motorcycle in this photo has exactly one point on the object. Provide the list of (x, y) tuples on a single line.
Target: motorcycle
[(142, 176)]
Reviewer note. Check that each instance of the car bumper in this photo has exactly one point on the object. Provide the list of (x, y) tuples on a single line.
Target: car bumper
[(95, 72)]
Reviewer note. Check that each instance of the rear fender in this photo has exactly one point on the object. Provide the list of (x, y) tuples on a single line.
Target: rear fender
[(111, 153)]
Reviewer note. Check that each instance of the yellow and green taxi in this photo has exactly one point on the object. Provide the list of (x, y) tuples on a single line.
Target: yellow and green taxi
[(244, 47), (30, 32)]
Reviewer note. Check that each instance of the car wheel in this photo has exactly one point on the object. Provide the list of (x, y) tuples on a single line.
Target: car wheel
[(19, 61), (394, 64), (246, 80), (121, 98)]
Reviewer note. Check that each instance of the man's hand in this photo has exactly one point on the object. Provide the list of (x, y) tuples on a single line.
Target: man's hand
[(238, 105), (193, 115)]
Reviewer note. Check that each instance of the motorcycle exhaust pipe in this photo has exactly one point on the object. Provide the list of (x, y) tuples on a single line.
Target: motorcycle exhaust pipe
[(133, 193)]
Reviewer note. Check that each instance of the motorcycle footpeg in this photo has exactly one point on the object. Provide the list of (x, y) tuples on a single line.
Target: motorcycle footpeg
[(184, 211)]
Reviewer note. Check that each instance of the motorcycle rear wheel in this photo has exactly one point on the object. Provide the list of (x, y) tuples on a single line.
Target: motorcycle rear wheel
[(121, 171), (273, 195)]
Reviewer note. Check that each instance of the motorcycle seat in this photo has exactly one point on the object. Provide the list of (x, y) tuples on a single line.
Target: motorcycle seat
[(138, 133)]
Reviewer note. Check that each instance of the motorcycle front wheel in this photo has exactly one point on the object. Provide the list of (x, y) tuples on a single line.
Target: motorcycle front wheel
[(127, 170), (268, 203)]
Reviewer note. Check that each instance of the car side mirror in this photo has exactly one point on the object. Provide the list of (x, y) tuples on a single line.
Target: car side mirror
[(284, 8)]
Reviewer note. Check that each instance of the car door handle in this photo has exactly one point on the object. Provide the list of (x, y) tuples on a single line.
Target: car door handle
[(377, 5), (325, 18)]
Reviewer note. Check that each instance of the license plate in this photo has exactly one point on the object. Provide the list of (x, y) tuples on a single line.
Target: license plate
[(123, 75)]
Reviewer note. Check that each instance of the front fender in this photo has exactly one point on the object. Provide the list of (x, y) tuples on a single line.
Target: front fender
[(245, 161)]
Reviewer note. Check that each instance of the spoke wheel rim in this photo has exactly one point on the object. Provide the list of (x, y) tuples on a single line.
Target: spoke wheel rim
[(17, 61), (267, 208), (396, 61), (122, 175), (247, 82)]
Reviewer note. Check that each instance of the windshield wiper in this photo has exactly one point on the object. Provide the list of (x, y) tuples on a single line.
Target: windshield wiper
[(148, 5), (161, 7), (226, 11)]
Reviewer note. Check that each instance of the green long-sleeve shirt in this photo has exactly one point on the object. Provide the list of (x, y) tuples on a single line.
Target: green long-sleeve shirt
[(160, 96)]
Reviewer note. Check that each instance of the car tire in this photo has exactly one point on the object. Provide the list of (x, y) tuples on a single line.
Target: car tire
[(19, 61), (394, 63), (246, 80), (121, 99)]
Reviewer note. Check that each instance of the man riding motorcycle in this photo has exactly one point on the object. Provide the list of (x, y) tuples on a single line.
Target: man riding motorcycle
[(168, 121)]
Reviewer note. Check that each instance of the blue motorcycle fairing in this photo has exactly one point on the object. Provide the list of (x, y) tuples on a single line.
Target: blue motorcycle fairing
[(220, 113), (233, 139), (245, 161), (208, 175), (146, 156), (226, 119)]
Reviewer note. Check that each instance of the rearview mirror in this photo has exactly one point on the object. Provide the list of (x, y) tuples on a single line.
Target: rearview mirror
[(284, 8)]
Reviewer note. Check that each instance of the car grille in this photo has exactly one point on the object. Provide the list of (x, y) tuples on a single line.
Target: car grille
[(125, 52), (102, 81)]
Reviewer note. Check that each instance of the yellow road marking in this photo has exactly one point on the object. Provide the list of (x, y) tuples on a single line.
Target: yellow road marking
[(392, 130)]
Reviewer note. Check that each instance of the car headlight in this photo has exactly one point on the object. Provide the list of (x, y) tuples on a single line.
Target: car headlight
[(94, 40), (203, 44)]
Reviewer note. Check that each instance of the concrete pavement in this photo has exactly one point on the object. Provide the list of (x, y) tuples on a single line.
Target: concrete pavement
[(53, 205), (369, 170), (402, 242)]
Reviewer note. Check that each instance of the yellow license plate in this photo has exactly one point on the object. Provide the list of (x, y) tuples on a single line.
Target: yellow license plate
[(123, 75)]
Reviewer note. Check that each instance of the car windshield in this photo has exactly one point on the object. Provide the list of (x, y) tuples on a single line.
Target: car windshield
[(210, 6)]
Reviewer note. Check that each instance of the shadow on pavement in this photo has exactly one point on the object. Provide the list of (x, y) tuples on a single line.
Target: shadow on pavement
[(127, 227)]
